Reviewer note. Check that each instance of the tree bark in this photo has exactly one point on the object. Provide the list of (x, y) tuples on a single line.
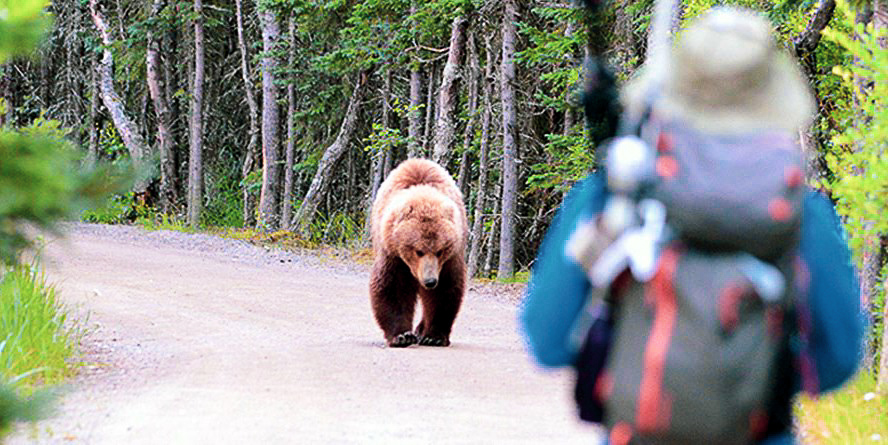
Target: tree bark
[(251, 158), (510, 144), (804, 47), (287, 205), (492, 239), (469, 134), (449, 93), (195, 157), (269, 217), (414, 125), (92, 154), (483, 165), (132, 139), (164, 119), (429, 111), (332, 154), (378, 160)]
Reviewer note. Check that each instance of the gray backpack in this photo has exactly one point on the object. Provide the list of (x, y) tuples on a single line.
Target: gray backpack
[(696, 350)]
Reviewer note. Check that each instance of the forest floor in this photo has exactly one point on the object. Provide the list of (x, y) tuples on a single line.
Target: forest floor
[(196, 339)]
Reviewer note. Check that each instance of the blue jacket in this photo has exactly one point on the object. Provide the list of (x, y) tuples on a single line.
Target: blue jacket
[(558, 288)]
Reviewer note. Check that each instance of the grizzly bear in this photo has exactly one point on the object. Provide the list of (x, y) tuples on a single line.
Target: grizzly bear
[(419, 230)]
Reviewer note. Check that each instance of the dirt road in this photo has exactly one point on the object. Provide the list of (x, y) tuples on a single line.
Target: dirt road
[(200, 340)]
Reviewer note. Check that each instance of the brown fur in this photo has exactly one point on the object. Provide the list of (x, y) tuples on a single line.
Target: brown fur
[(419, 231)]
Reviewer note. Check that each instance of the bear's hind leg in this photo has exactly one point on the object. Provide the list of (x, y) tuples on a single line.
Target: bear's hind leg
[(393, 296)]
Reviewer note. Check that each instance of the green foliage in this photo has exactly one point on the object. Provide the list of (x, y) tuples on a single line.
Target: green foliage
[(117, 209), (572, 158), (861, 164), (225, 203), (860, 157), (16, 409), (337, 229), (40, 182), (160, 221), (853, 414), (21, 26), (383, 139), (36, 336)]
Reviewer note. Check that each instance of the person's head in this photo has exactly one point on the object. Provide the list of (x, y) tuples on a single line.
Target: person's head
[(725, 74)]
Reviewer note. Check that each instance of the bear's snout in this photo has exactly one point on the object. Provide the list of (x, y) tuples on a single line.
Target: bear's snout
[(428, 271)]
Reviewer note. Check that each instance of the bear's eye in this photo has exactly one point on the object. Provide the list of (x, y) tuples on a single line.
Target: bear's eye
[(420, 253), (440, 253)]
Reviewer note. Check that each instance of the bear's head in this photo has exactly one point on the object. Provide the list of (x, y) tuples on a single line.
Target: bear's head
[(424, 230)]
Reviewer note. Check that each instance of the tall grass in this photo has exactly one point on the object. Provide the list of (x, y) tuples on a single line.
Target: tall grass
[(37, 340), (855, 414)]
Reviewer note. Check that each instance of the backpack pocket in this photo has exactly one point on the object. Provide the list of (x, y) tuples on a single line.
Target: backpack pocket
[(693, 354)]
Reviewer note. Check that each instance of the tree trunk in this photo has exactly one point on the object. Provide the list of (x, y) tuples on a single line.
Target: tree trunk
[(483, 164), (332, 154), (492, 239), (195, 157), (804, 47), (510, 144), (568, 110), (132, 139), (92, 154), (251, 158), (287, 205), (413, 118), (378, 160), (269, 217), (430, 111), (164, 120), (449, 93), (469, 134)]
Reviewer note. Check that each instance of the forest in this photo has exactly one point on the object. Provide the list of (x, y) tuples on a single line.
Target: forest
[(286, 115)]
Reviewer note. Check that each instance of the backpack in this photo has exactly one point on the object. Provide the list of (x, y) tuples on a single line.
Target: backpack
[(694, 353)]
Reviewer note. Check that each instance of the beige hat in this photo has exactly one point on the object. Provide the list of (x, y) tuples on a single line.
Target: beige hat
[(726, 75)]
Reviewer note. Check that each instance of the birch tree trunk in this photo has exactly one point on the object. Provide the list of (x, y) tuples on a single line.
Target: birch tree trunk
[(332, 154), (378, 160), (510, 144), (414, 125), (269, 217), (195, 157), (164, 120), (287, 204), (494, 236), (483, 162), (469, 135), (383, 158), (129, 133), (92, 154), (449, 93), (429, 111), (252, 156)]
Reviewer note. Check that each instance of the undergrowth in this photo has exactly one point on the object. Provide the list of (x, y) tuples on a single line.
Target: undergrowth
[(855, 414), (37, 340)]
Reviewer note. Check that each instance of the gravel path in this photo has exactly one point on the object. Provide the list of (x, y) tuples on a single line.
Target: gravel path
[(198, 339)]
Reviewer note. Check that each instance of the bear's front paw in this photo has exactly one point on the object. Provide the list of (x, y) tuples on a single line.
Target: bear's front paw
[(403, 340), (434, 341)]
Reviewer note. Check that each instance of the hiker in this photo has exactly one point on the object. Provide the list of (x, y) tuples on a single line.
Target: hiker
[(724, 77)]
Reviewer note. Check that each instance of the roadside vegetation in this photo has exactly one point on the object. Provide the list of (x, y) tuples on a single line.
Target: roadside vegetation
[(41, 182)]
